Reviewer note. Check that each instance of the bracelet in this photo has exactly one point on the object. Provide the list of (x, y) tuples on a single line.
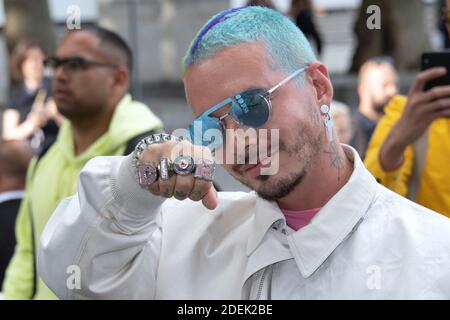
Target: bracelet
[(152, 139)]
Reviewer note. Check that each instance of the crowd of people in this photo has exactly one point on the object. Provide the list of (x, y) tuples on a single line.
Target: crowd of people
[(91, 76), (68, 108)]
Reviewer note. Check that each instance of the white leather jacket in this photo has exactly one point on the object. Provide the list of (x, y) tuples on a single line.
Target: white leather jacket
[(365, 243)]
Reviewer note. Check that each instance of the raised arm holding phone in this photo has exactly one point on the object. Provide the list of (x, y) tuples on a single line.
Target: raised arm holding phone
[(409, 151), (31, 113), (422, 108)]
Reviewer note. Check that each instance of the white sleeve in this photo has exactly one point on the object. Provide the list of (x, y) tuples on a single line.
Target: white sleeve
[(104, 242)]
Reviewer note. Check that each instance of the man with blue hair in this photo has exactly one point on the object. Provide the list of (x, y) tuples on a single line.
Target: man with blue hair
[(318, 227)]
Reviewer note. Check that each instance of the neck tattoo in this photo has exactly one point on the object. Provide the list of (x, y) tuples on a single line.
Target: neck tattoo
[(336, 159)]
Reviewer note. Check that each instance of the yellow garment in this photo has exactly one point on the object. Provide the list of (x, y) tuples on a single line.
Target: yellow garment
[(434, 187), (54, 178)]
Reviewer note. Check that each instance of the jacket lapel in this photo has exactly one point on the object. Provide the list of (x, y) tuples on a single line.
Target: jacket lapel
[(264, 247)]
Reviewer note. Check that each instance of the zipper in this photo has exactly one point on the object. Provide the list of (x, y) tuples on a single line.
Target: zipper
[(261, 283)]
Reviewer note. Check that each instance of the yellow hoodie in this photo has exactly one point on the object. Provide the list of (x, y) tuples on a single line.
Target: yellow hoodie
[(434, 187), (54, 178)]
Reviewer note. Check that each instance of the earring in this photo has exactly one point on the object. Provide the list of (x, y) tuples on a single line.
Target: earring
[(324, 109)]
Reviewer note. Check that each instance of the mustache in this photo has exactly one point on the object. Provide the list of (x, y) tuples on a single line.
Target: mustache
[(246, 161)]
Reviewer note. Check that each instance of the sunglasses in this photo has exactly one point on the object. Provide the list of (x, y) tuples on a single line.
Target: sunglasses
[(74, 63), (251, 108)]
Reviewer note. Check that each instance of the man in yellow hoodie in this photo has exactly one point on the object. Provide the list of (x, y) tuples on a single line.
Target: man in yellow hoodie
[(410, 148), (91, 76)]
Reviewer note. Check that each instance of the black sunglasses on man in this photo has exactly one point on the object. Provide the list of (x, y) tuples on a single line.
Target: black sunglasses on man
[(75, 63)]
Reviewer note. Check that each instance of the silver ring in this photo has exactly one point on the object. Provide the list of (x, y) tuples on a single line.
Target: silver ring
[(183, 165), (152, 139), (204, 169), (165, 168), (147, 174)]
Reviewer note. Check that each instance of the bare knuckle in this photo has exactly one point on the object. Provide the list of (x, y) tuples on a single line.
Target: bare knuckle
[(196, 195), (166, 188), (440, 104), (155, 193), (184, 186), (180, 194), (434, 92), (421, 77), (153, 189), (166, 193)]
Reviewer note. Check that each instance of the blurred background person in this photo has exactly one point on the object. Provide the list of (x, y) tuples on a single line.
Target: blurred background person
[(444, 23), (91, 78), (261, 3), (377, 84), (32, 114), (303, 14), (410, 149), (342, 119), (14, 159)]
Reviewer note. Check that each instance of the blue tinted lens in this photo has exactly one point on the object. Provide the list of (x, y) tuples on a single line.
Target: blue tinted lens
[(251, 108), (206, 131)]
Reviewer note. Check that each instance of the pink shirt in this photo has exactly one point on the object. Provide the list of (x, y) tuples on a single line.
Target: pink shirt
[(298, 219)]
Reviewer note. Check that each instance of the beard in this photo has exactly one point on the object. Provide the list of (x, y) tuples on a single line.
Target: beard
[(281, 187), (379, 108), (274, 187), (75, 110)]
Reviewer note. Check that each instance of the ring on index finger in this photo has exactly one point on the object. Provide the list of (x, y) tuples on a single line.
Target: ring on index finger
[(147, 173)]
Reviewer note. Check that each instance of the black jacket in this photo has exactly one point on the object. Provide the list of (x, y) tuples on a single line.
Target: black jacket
[(8, 213)]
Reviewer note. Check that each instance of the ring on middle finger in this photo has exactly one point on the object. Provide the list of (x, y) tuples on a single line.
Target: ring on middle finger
[(165, 168), (183, 165)]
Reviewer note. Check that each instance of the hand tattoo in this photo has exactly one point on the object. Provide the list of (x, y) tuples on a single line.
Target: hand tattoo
[(196, 195), (180, 194)]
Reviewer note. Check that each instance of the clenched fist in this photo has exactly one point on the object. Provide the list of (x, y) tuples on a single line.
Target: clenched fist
[(178, 169)]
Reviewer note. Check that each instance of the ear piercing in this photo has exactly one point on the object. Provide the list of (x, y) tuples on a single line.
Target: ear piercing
[(325, 110)]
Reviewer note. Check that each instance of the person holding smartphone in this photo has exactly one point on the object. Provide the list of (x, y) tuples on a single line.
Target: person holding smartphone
[(410, 149), (91, 72), (31, 114)]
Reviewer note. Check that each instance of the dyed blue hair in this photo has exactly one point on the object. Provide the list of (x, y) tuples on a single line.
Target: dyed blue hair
[(286, 45)]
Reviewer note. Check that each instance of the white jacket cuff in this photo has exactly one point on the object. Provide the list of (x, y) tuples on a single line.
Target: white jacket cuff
[(132, 202)]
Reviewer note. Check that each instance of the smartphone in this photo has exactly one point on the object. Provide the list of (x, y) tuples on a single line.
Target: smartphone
[(437, 59), (39, 100)]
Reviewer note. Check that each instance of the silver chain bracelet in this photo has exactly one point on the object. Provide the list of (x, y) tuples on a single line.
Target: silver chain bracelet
[(153, 139), (141, 147)]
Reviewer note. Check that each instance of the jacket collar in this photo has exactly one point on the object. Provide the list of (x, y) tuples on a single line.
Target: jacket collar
[(266, 214), (341, 215)]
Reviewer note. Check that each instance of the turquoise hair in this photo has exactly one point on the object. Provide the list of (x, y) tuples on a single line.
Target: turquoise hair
[(287, 47)]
